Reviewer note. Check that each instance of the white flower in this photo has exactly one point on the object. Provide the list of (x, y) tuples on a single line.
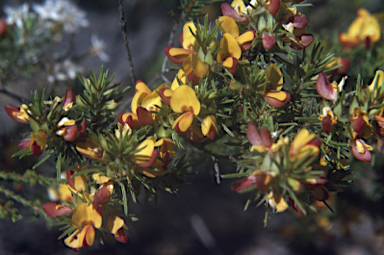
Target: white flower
[(63, 12), (15, 15), (64, 71), (97, 48)]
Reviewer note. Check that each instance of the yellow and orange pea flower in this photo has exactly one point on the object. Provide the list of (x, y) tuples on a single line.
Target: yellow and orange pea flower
[(188, 43), (361, 150), (365, 28), (272, 91), (116, 226), (184, 100), (360, 123), (84, 219), (328, 119), (19, 113), (232, 44), (144, 101), (67, 128), (90, 148), (277, 201), (262, 141), (302, 144), (36, 144)]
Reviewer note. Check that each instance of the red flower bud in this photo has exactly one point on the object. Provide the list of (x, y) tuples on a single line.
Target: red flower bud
[(53, 209), (268, 41), (277, 103)]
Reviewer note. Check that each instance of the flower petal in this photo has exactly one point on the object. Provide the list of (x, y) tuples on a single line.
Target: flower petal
[(184, 99)]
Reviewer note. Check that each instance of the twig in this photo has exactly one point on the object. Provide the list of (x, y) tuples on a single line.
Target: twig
[(14, 96), (123, 28), (21, 200)]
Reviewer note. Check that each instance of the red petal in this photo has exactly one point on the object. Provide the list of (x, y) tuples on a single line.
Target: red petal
[(36, 149), (324, 88), (10, 109), (71, 133), (244, 183), (299, 21), (277, 103), (253, 135), (144, 116), (69, 174), (3, 25), (102, 197), (83, 126), (365, 157), (228, 10), (358, 123), (152, 160), (326, 122), (165, 99), (24, 144), (268, 41), (273, 6), (122, 238), (52, 211), (192, 77), (266, 137), (69, 97)]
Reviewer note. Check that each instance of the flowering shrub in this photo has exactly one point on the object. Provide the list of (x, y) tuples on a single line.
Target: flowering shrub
[(256, 77)]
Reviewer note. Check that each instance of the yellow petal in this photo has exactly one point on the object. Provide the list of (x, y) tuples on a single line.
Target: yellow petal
[(115, 223), (152, 100), (66, 122), (146, 148), (142, 87), (188, 38), (184, 121), (74, 241), (79, 182), (239, 6), (228, 25), (84, 214), (379, 77), (182, 76), (229, 48), (199, 68), (137, 99), (245, 37), (208, 122), (184, 99), (275, 77), (279, 95), (101, 178), (228, 62), (277, 202)]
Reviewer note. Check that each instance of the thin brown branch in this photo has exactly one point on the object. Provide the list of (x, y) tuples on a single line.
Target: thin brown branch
[(123, 28), (14, 96)]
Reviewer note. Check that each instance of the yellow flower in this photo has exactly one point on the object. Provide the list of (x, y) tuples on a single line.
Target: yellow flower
[(209, 126), (272, 91), (328, 119), (145, 150), (303, 143), (84, 220), (184, 100), (90, 148), (363, 27), (277, 201), (116, 226)]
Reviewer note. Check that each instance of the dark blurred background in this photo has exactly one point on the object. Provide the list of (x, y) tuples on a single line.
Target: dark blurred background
[(205, 217)]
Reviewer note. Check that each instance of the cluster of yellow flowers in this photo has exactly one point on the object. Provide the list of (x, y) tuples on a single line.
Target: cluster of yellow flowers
[(229, 81)]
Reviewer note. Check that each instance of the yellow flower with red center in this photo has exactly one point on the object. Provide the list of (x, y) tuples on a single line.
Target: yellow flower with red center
[(84, 219), (230, 51), (144, 101), (90, 148), (116, 226), (184, 100), (272, 91), (209, 126), (188, 43), (18, 114), (364, 28)]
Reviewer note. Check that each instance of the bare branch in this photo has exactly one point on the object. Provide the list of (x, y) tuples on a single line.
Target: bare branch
[(123, 28)]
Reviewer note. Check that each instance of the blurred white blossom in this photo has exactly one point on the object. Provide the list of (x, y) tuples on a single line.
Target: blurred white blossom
[(97, 48), (64, 71), (63, 12), (15, 15)]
